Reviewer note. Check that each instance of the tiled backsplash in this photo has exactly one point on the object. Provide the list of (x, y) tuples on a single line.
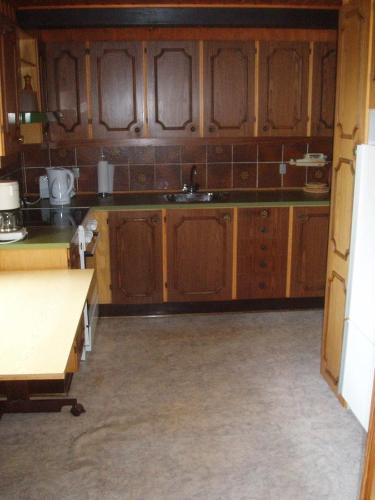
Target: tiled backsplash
[(155, 168), (11, 168)]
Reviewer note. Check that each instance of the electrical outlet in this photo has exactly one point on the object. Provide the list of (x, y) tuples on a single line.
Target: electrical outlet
[(282, 168), (76, 172)]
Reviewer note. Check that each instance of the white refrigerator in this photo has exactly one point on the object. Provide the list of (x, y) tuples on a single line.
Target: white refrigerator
[(357, 368)]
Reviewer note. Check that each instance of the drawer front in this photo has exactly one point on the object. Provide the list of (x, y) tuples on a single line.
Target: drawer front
[(262, 252)]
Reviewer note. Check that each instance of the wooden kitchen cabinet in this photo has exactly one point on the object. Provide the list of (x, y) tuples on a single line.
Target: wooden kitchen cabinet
[(262, 252), (323, 89), (117, 90), (136, 257), (10, 136), (66, 90), (229, 89), (173, 89), (283, 88), (309, 251), (199, 249)]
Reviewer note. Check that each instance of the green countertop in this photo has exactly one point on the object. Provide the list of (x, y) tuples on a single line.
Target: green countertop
[(42, 238), (55, 237), (152, 201)]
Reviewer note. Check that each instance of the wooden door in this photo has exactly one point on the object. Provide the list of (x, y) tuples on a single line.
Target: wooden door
[(350, 130), (117, 89), (309, 251), (323, 89), (66, 88), (173, 89), (9, 90), (262, 252), (283, 88), (229, 89), (136, 257), (199, 249)]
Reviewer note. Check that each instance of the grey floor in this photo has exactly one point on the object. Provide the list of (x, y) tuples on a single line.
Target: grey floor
[(225, 406)]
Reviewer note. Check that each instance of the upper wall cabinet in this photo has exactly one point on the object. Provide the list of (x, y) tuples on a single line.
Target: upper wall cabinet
[(324, 86), (229, 89), (173, 89), (117, 89), (66, 89), (283, 88), (10, 137)]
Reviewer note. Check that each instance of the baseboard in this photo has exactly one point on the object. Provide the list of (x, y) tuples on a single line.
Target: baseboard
[(210, 307)]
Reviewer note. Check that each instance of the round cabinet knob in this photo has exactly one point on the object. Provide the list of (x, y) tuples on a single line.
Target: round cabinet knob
[(263, 247), (192, 128), (137, 130), (21, 139), (264, 213), (265, 128), (263, 264), (263, 229), (211, 128), (227, 217), (262, 285)]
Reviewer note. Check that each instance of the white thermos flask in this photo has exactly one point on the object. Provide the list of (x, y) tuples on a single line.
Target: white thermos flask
[(105, 177)]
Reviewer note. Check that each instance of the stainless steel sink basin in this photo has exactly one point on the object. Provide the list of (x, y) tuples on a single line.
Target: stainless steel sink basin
[(197, 197)]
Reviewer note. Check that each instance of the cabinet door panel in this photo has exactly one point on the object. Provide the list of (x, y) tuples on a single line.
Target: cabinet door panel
[(199, 254), (66, 80), (262, 252), (173, 100), (117, 89), (9, 89), (136, 257), (324, 86), (283, 73), (309, 251), (229, 75)]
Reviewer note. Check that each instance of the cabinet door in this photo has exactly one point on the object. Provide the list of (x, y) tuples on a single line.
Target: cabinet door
[(324, 86), (283, 83), (352, 103), (9, 90), (229, 88), (173, 89), (262, 252), (136, 257), (199, 252), (66, 87), (309, 251), (117, 89)]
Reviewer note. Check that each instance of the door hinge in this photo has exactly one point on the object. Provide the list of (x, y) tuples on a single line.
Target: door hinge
[(87, 52), (165, 218), (165, 285), (145, 50), (110, 286)]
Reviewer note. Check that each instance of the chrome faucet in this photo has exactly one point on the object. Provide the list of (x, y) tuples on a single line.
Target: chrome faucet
[(193, 186)]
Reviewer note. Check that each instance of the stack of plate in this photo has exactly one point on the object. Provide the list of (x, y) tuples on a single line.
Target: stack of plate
[(316, 188)]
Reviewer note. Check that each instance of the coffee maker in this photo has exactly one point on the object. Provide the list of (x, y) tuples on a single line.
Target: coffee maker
[(11, 229)]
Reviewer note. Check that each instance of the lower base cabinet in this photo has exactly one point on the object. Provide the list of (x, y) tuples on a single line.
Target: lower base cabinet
[(136, 257), (309, 251), (200, 255), (213, 254), (262, 252)]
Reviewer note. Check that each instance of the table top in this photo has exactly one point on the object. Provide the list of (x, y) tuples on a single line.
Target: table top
[(39, 316)]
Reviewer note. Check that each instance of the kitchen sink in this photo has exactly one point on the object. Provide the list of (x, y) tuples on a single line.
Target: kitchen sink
[(197, 197)]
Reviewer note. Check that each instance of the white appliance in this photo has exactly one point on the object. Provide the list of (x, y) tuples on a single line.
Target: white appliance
[(86, 237), (61, 185), (11, 229), (358, 365)]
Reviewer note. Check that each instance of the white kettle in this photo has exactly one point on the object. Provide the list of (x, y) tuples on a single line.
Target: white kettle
[(60, 184)]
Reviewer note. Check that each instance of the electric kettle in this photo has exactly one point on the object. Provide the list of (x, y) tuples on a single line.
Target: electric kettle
[(60, 184)]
